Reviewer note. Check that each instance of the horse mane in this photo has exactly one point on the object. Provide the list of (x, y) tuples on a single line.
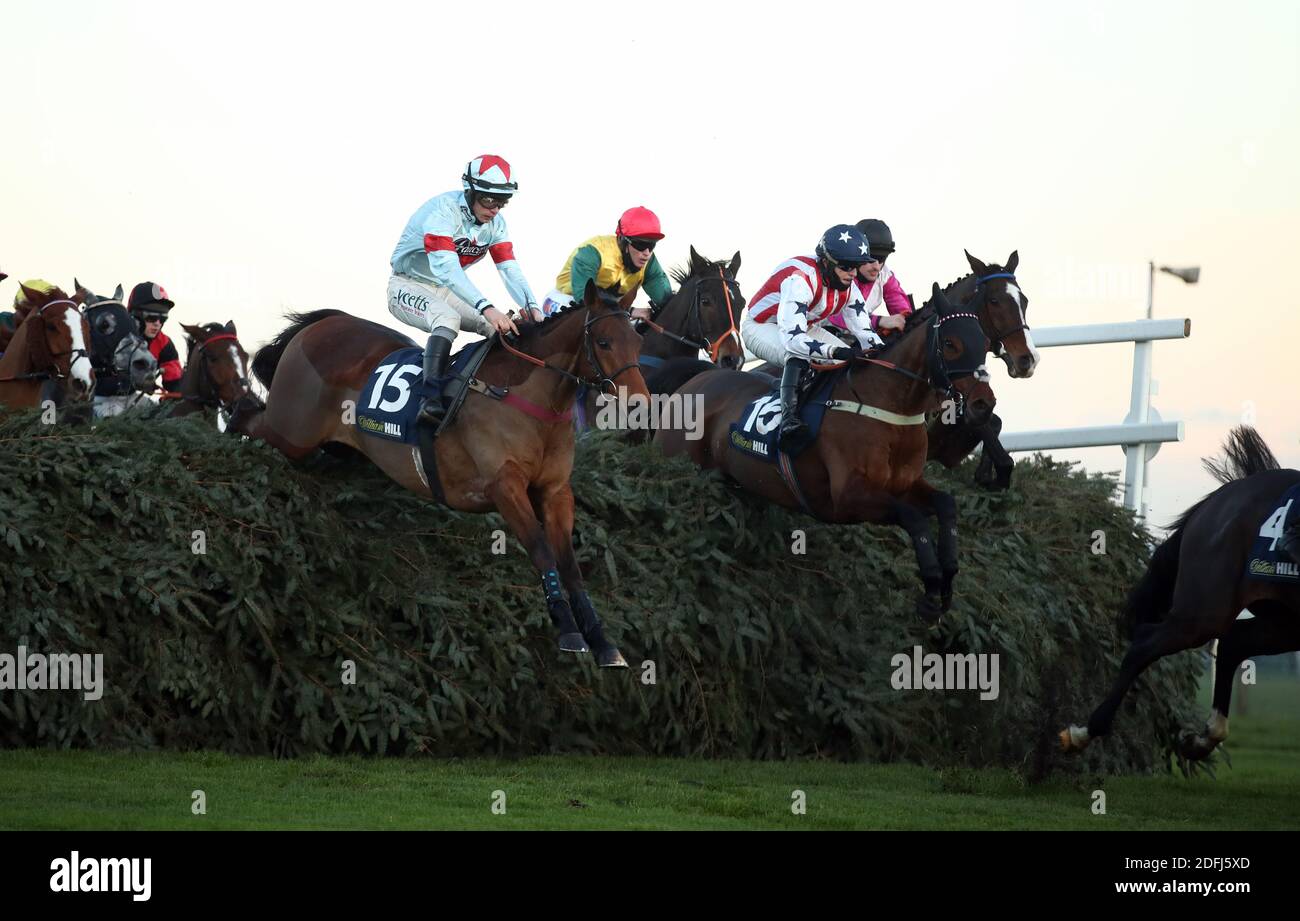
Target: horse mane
[(683, 274), (606, 296), (268, 356)]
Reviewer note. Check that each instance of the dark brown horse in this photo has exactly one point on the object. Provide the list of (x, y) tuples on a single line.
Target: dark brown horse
[(866, 464), (510, 449), (49, 353), (216, 373), (1197, 585), (703, 316)]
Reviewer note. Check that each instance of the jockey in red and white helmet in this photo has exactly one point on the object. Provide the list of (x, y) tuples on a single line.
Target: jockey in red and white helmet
[(625, 258), (429, 288)]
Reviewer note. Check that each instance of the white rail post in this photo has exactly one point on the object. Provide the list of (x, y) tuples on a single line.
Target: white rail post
[(1139, 410)]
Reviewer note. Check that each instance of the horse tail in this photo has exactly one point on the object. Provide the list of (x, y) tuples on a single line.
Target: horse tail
[(1150, 600), (1245, 454), (268, 356)]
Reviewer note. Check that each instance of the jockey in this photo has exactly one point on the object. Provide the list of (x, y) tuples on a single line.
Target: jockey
[(149, 304), (625, 258), (429, 288), (782, 323), (877, 283)]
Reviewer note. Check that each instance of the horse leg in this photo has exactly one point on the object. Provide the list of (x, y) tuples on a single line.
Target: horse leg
[(929, 606), (994, 471), (944, 507), (556, 510), (1184, 628), (1272, 630), (509, 492)]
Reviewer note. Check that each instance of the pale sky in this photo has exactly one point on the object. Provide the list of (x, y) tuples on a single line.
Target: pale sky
[(259, 157)]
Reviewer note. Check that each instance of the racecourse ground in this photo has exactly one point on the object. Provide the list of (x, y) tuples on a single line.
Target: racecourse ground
[(100, 790)]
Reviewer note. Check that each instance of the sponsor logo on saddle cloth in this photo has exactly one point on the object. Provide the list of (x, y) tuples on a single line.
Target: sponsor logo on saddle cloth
[(1265, 560), (392, 396), (757, 430)]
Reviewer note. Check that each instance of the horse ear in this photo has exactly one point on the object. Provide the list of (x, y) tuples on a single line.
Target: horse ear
[(590, 294), (698, 262), (733, 267), (76, 286), (940, 302), (977, 267), (197, 333), (625, 302), (117, 295), (29, 294), (230, 327), (1012, 261)]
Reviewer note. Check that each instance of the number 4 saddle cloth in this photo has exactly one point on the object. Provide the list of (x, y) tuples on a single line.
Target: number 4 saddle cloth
[(1266, 560), (392, 396)]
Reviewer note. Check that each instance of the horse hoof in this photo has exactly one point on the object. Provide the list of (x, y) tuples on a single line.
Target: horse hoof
[(610, 658), (1073, 739), (572, 642), (929, 610)]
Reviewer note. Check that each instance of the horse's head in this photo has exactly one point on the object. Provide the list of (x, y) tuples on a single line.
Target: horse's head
[(977, 396), (116, 347), (611, 347), (706, 311), (55, 335), (958, 343), (1002, 307), (216, 373)]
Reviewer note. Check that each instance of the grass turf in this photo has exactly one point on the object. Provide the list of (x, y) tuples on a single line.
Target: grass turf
[(119, 790)]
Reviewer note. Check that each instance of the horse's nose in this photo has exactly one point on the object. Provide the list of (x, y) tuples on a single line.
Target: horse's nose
[(1026, 365), (731, 362)]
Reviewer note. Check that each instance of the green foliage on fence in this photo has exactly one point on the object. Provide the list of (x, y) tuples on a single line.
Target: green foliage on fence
[(757, 652)]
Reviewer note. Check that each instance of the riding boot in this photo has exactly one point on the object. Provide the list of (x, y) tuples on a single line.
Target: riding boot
[(436, 351), (792, 427)]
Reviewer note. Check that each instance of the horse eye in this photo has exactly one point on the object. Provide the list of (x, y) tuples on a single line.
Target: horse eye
[(603, 343)]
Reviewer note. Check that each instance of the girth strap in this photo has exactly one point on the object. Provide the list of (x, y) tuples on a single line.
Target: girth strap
[(874, 412)]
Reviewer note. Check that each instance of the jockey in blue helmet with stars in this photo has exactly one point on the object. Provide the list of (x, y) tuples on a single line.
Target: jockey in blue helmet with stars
[(782, 323)]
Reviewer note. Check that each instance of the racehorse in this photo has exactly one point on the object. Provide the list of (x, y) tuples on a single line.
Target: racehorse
[(1199, 581), (124, 366), (49, 349), (702, 316), (510, 448), (216, 373), (866, 463), (992, 292)]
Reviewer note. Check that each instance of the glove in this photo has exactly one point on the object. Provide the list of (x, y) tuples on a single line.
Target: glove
[(846, 354)]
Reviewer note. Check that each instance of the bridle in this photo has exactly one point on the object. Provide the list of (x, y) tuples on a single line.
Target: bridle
[(981, 298), (211, 399), (598, 383), (702, 341), (938, 376), (38, 350)]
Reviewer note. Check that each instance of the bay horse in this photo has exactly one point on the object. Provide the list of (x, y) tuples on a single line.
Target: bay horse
[(509, 449), (1197, 584), (216, 373), (992, 292), (49, 349), (866, 464)]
